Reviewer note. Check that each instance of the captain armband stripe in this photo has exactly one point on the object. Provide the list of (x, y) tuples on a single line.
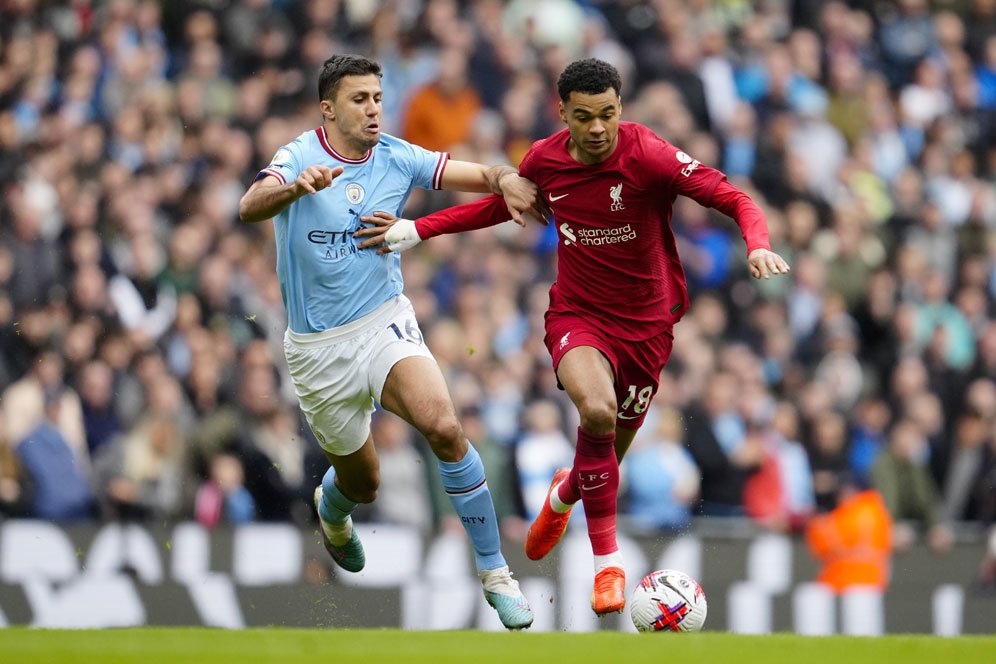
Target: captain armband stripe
[(270, 171), (437, 177)]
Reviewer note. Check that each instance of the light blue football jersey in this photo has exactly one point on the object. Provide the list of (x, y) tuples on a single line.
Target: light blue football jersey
[(325, 280)]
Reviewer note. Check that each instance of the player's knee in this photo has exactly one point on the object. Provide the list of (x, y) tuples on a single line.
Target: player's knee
[(445, 436), (598, 416)]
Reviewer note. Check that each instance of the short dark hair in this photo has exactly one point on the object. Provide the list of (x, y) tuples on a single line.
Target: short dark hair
[(339, 66), (590, 77)]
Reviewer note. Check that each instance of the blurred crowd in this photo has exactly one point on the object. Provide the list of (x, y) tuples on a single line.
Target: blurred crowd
[(141, 370)]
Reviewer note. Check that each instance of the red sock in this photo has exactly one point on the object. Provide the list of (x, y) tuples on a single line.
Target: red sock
[(568, 491), (596, 473)]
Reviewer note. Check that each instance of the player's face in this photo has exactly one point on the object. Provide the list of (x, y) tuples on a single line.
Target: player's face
[(355, 111), (593, 121)]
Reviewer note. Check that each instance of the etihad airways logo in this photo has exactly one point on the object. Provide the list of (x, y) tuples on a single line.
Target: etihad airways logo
[(336, 244), (596, 237)]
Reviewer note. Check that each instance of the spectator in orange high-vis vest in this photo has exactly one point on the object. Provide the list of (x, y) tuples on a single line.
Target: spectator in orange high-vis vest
[(854, 541)]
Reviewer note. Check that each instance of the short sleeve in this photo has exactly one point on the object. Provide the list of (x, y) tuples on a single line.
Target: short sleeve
[(285, 164), (425, 166), (683, 173)]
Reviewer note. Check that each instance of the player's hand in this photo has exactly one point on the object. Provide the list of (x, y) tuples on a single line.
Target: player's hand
[(763, 263), (522, 196), (315, 178), (388, 233)]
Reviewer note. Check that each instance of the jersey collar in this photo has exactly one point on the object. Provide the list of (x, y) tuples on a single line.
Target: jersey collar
[(324, 140)]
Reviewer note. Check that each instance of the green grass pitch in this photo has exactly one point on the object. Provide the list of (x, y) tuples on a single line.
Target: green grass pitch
[(287, 646)]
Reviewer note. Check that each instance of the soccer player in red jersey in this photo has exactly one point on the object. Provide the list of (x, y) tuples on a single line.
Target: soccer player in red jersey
[(619, 291)]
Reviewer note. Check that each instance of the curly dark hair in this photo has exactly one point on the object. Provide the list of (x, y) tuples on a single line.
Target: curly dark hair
[(590, 77), (339, 66)]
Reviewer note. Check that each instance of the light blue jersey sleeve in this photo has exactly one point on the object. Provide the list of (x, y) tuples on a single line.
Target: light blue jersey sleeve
[(424, 167), (286, 164)]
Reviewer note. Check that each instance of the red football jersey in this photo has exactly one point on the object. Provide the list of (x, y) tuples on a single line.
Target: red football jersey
[(617, 259), (618, 263)]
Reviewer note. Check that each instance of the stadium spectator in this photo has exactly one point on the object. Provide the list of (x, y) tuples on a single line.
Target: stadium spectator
[(22, 405), (901, 477), (853, 541), (58, 483), (963, 496), (441, 114), (223, 497), (725, 455), (403, 498), (142, 473), (779, 496), (868, 437), (96, 390), (660, 477), (828, 438), (539, 453)]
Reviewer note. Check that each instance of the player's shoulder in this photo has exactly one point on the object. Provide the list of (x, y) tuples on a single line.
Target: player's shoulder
[(390, 141), (398, 148), (642, 148), (640, 136), (305, 146)]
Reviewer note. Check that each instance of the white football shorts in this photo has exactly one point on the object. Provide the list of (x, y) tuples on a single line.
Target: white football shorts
[(338, 374)]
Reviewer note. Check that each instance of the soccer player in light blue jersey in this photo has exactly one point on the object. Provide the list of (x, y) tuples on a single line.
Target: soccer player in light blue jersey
[(352, 338)]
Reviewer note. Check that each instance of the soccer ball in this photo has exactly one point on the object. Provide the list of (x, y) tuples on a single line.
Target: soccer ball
[(668, 601)]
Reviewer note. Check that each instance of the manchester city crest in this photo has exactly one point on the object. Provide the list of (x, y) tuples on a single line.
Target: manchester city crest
[(354, 193)]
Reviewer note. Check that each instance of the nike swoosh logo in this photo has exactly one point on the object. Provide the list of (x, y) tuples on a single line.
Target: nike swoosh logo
[(553, 198), (592, 488), (626, 417)]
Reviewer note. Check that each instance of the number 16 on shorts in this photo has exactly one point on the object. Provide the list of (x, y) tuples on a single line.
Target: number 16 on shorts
[(410, 332)]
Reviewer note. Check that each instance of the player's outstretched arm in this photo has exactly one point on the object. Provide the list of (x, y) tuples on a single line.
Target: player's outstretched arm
[(389, 233), (269, 197), (521, 195), (733, 202)]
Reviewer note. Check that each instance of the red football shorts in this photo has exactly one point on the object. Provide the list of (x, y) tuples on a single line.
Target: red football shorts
[(636, 365)]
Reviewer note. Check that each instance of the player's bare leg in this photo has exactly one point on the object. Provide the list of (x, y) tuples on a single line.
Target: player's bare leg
[(351, 480), (588, 379), (624, 438), (416, 391)]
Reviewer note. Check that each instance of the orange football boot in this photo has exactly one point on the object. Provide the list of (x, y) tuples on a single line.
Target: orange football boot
[(609, 595), (549, 526)]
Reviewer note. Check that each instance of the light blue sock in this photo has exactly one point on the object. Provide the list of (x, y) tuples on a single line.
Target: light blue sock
[(334, 507), (467, 488)]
